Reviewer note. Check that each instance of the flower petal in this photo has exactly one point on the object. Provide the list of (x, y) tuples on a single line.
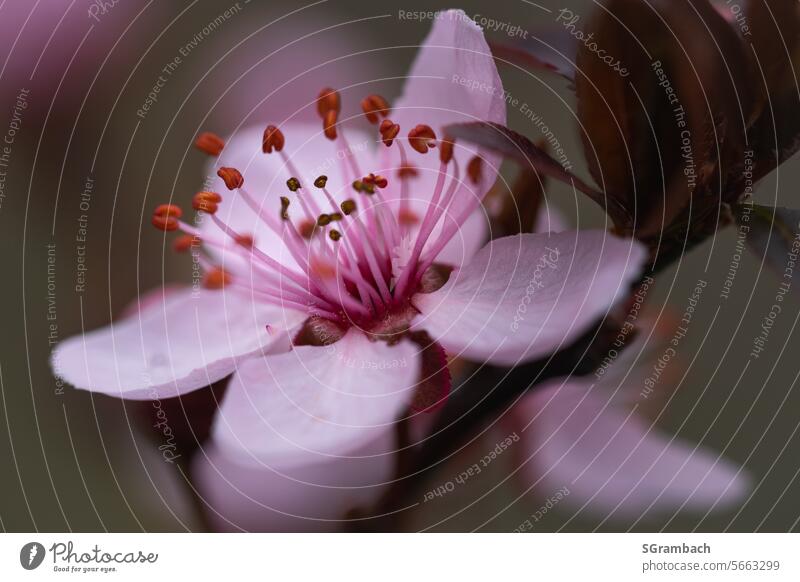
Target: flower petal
[(453, 80), (314, 495), (184, 342), (439, 91), (613, 460), (324, 400), (525, 296)]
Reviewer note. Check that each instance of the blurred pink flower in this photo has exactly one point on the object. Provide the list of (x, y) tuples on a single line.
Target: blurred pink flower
[(585, 435), (322, 329)]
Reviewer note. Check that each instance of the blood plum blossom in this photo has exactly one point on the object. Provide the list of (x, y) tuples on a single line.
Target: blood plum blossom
[(342, 269)]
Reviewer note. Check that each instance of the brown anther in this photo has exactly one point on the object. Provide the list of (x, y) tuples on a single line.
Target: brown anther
[(185, 242), (446, 149), (328, 100), (206, 201), (321, 182), (407, 172), (165, 217), (334, 234), (388, 130), (421, 138), (375, 107), (358, 185), (216, 278), (336, 216), (209, 143), (232, 177), (284, 208), (407, 218), (376, 180), (293, 184), (475, 169), (245, 240), (273, 140), (323, 220), (348, 207), (329, 124)]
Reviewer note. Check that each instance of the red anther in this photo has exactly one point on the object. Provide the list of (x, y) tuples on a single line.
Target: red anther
[(407, 172), (322, 268), (245, 240), (232, 177), (307, 229), (165, 217), (375, 107), (328, 100), (421, 138), (329, 123), (206, 202), (475, 169), (216, 278), (273, 139), (209, 143), (185, 242), (446, 149), (407, 218), (388, 130), (375, 180)]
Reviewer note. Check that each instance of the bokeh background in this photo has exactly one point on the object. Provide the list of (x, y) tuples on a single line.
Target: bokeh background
[(73, 461)]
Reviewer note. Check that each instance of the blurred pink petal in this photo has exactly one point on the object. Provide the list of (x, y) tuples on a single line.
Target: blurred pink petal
[(314, 495), (323, 400), (614, 461), (171, 347), (525, 296)]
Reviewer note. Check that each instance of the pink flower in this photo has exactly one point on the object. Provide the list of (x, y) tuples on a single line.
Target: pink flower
[(585, 436), (334, 309)]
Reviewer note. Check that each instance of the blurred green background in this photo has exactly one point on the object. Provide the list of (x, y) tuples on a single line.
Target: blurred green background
[(73, 461)]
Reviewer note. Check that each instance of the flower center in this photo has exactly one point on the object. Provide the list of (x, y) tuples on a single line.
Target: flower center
[(356, 260)]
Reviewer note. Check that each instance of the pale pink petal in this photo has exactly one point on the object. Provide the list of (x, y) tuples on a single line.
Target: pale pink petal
[(185, 342), (315, 494), (453, 80), (265, 177), (526, 296), (455, 52), (614, 461), (324, 400)]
